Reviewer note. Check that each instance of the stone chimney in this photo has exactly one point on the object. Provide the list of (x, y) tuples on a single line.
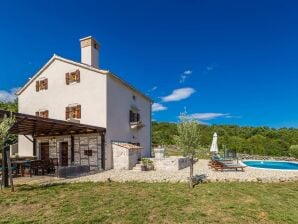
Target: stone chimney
[(89, 51)]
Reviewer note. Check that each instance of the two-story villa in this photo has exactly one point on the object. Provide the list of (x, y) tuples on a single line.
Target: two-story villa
[(83, 93)]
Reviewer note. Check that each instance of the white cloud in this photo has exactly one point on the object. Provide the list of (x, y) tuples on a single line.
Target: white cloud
[(187, 72), (178, 94), (152, 89), (208, 116), (8, 96), (184, 75), (158, 107)]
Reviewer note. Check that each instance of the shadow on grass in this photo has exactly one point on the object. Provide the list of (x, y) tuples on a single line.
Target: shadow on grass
[(26, 187), (199, 179)]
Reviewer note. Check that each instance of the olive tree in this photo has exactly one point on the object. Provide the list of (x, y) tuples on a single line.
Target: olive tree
[(188, 140), (294, 151)]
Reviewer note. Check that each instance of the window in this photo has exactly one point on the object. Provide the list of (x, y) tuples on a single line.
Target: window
[(42, 113), (88, 152), (41, 84), (134, 97), (73, 112), (72, 77), (133, 116)]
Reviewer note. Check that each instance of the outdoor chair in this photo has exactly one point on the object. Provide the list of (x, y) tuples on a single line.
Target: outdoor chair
[(36, 167), (216, 158), (228, 166), (50, 165)]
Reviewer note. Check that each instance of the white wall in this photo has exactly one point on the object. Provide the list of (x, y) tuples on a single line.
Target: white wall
[(90, 92), (105, 103), (120, 101)]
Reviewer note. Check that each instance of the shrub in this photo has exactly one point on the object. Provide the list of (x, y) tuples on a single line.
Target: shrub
[(294, 151)]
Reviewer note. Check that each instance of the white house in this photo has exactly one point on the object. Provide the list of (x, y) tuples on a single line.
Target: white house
[(82, 92)]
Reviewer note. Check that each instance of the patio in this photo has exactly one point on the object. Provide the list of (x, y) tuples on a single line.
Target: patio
[(59, 147)]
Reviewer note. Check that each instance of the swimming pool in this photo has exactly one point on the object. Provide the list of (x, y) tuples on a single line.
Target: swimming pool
[(276, 165)]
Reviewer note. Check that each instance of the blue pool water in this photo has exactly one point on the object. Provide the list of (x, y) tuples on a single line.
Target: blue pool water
[(272, 164)]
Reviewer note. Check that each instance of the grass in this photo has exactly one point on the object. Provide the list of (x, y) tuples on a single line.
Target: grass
[(151, 203)]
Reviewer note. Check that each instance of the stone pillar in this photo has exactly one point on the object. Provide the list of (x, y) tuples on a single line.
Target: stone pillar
[(159, 153)]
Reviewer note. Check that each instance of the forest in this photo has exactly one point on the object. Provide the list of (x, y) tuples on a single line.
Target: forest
[(250, 140)]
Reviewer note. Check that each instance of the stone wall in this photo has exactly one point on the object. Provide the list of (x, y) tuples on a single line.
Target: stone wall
[(172, 163), (258, 157), (82, 144), (124, 158)]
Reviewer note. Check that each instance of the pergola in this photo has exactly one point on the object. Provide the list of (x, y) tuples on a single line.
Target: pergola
[(29, 125), (26, 124)]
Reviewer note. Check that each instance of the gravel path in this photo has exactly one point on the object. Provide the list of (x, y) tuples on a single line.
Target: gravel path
[(201, 169)]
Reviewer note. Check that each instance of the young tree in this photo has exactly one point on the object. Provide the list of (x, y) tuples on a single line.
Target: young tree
[(188, 140), (5, 125)]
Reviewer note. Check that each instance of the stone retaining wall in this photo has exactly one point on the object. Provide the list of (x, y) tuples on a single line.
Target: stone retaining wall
[(258, 179), (172, 163), (259, 157)]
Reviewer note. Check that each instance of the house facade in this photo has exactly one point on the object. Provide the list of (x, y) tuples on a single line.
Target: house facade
[(81, 92)]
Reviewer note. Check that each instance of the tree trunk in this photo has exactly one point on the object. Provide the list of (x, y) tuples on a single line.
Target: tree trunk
[(9, 170), (191, 172), (4, 166)]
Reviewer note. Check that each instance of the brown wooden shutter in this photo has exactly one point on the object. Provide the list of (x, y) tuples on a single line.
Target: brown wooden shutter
[(37, 86), (78, 78), (67, 113), (67, 78), (46, 83), (37, 114), (78, 109), (46, 114)]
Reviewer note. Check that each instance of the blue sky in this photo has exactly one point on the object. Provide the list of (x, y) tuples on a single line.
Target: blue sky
[(226, 62)]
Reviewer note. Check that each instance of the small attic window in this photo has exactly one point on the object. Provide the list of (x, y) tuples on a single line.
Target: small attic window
[(134, 97), (72, 77), (41, 84)]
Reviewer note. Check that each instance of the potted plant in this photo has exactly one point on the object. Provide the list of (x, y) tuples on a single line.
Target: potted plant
[(147, 164), (144, 164)]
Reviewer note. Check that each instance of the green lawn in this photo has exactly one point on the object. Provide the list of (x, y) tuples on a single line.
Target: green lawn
[(151, 203)]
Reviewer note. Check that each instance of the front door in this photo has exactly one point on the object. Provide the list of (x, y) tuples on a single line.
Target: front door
[(44, 151), (64, 154)]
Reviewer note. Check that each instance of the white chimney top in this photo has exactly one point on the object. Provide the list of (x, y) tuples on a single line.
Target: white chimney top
[(89, 51)]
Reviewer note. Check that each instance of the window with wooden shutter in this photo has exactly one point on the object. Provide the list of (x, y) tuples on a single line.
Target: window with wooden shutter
[(42, 113), (41, 84), (73, 112), (73, 77)]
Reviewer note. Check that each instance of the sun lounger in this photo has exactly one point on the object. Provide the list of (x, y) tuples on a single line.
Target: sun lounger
[(228, 166), (216, 158)]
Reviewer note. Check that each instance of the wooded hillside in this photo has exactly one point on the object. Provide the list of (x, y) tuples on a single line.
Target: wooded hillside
[(251, 140)]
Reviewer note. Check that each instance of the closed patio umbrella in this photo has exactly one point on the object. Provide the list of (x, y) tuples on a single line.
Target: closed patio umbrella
[(214, 146)]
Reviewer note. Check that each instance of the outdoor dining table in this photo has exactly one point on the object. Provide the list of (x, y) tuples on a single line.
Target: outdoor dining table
[(22, 164)]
